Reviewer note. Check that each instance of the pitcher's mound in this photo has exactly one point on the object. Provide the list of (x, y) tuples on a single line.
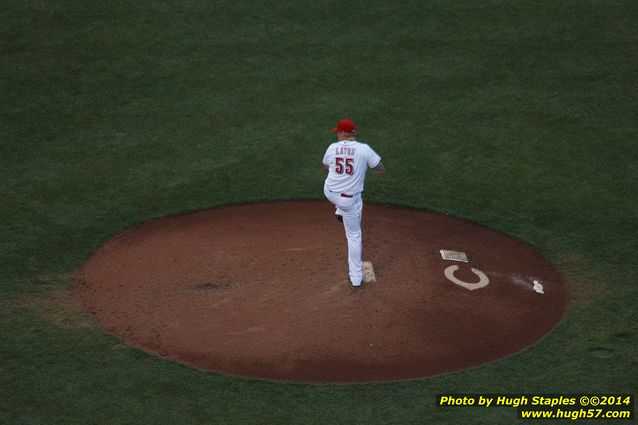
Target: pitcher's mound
[(262, 290)]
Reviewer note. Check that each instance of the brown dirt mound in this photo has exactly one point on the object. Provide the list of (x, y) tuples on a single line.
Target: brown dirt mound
[(261, 290)]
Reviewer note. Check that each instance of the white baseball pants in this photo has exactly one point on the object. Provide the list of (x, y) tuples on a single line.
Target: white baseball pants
[(350, 208)]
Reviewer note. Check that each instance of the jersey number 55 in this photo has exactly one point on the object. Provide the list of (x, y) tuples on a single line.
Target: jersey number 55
[(344, 164)]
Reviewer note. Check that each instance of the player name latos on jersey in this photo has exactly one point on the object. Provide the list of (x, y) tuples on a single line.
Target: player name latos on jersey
[(345, 150)]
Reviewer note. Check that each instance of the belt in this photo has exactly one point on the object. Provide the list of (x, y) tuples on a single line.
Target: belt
[(343, 195)]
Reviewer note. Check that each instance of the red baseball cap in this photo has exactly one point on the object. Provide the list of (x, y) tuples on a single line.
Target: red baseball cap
[(346, 125)]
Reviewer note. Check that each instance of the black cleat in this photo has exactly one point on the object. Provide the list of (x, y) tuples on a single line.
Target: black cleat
[(339, 217)]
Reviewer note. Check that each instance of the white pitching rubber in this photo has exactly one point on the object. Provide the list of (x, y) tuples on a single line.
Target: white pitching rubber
[(368, 272)]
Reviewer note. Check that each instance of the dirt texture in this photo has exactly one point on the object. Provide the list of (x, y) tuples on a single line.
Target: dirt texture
[(262, 290)]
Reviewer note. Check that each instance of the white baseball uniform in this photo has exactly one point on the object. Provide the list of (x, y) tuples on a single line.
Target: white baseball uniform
[(348, 161)]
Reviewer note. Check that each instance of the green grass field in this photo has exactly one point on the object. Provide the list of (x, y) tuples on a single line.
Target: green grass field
[(521, 116)]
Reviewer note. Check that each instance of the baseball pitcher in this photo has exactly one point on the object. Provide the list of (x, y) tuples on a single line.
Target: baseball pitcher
[(347, 162)]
